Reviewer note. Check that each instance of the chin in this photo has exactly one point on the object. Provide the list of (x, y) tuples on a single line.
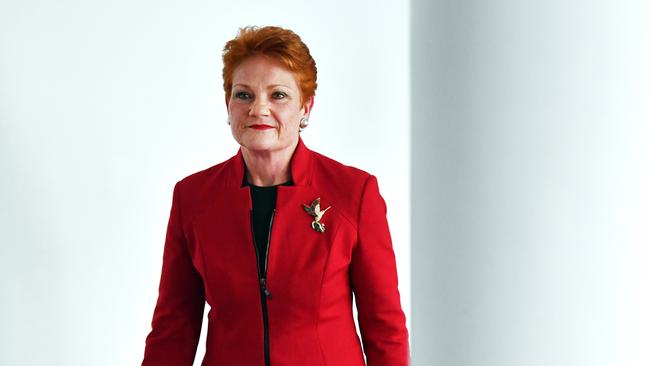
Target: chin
[(260, 143)]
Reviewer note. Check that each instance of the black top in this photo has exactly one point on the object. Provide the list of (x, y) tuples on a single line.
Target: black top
[(263, 199)]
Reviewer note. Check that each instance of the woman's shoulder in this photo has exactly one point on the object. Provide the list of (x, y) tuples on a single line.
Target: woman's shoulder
[(342, 185), (325, 166), (201, 186), (206, 175)]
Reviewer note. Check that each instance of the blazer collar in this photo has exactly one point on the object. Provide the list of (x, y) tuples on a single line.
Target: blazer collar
[(301, 167)]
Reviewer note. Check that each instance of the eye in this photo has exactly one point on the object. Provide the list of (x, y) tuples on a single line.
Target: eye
[(242, 95), (279, 95)]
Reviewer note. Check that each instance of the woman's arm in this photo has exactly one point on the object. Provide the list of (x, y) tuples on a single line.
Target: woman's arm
[(177, 318), (374, 281)]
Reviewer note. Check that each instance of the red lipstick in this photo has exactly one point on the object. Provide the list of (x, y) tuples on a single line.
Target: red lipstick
[(261, 127)]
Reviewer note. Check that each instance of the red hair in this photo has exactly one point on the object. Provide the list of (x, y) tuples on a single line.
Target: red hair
[(278, 43)]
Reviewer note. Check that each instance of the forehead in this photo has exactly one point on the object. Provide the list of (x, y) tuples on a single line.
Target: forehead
[(263, 70)]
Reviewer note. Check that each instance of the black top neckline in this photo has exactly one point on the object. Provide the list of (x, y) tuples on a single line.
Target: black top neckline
[(245, 183)]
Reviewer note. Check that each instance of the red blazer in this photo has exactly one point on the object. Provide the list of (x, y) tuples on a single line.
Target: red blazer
[(209, 255)]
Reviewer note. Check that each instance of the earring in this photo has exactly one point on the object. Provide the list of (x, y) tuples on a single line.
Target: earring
[(304, 122), (228, 121)]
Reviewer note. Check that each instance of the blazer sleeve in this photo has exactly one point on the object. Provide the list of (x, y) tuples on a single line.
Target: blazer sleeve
[(178, 315), (373, 276)]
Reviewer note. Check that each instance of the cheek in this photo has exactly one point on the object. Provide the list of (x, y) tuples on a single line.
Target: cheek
[(236, 110), (288, 115)]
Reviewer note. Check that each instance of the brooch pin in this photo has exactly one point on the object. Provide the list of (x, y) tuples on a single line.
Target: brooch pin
[(315, 211)]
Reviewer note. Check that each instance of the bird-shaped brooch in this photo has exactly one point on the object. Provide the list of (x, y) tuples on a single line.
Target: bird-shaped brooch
[(316, 212)]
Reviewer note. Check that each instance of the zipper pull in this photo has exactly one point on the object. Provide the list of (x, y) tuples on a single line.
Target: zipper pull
[(264, 289)]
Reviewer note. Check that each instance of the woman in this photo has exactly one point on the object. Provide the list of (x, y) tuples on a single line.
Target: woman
[(277, 238)]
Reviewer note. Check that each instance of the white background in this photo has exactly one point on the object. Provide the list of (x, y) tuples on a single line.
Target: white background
[(105, 105), (514, 135)]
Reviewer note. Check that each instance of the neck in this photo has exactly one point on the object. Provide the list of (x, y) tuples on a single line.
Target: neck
[(268, 168)]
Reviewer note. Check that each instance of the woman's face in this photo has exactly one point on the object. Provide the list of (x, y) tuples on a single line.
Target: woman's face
[(264, 106)]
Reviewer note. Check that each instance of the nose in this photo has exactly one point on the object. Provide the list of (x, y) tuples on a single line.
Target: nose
[(260, 107)]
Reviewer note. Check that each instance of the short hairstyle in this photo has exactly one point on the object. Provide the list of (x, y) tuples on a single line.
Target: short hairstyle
[(278, 43)]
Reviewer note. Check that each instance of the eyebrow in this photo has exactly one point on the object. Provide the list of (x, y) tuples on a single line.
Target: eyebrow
[(269, 87)]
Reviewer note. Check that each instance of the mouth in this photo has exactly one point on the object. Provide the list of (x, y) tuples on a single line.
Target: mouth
[(260, 127)]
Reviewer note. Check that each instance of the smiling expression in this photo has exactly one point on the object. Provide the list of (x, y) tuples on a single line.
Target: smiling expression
[(264, 107)]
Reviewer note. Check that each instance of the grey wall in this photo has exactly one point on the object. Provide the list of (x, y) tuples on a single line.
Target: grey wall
[(530, 168)]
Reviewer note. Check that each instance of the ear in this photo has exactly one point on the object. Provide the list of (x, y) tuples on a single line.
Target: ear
[(227, 104), (306, 108)]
